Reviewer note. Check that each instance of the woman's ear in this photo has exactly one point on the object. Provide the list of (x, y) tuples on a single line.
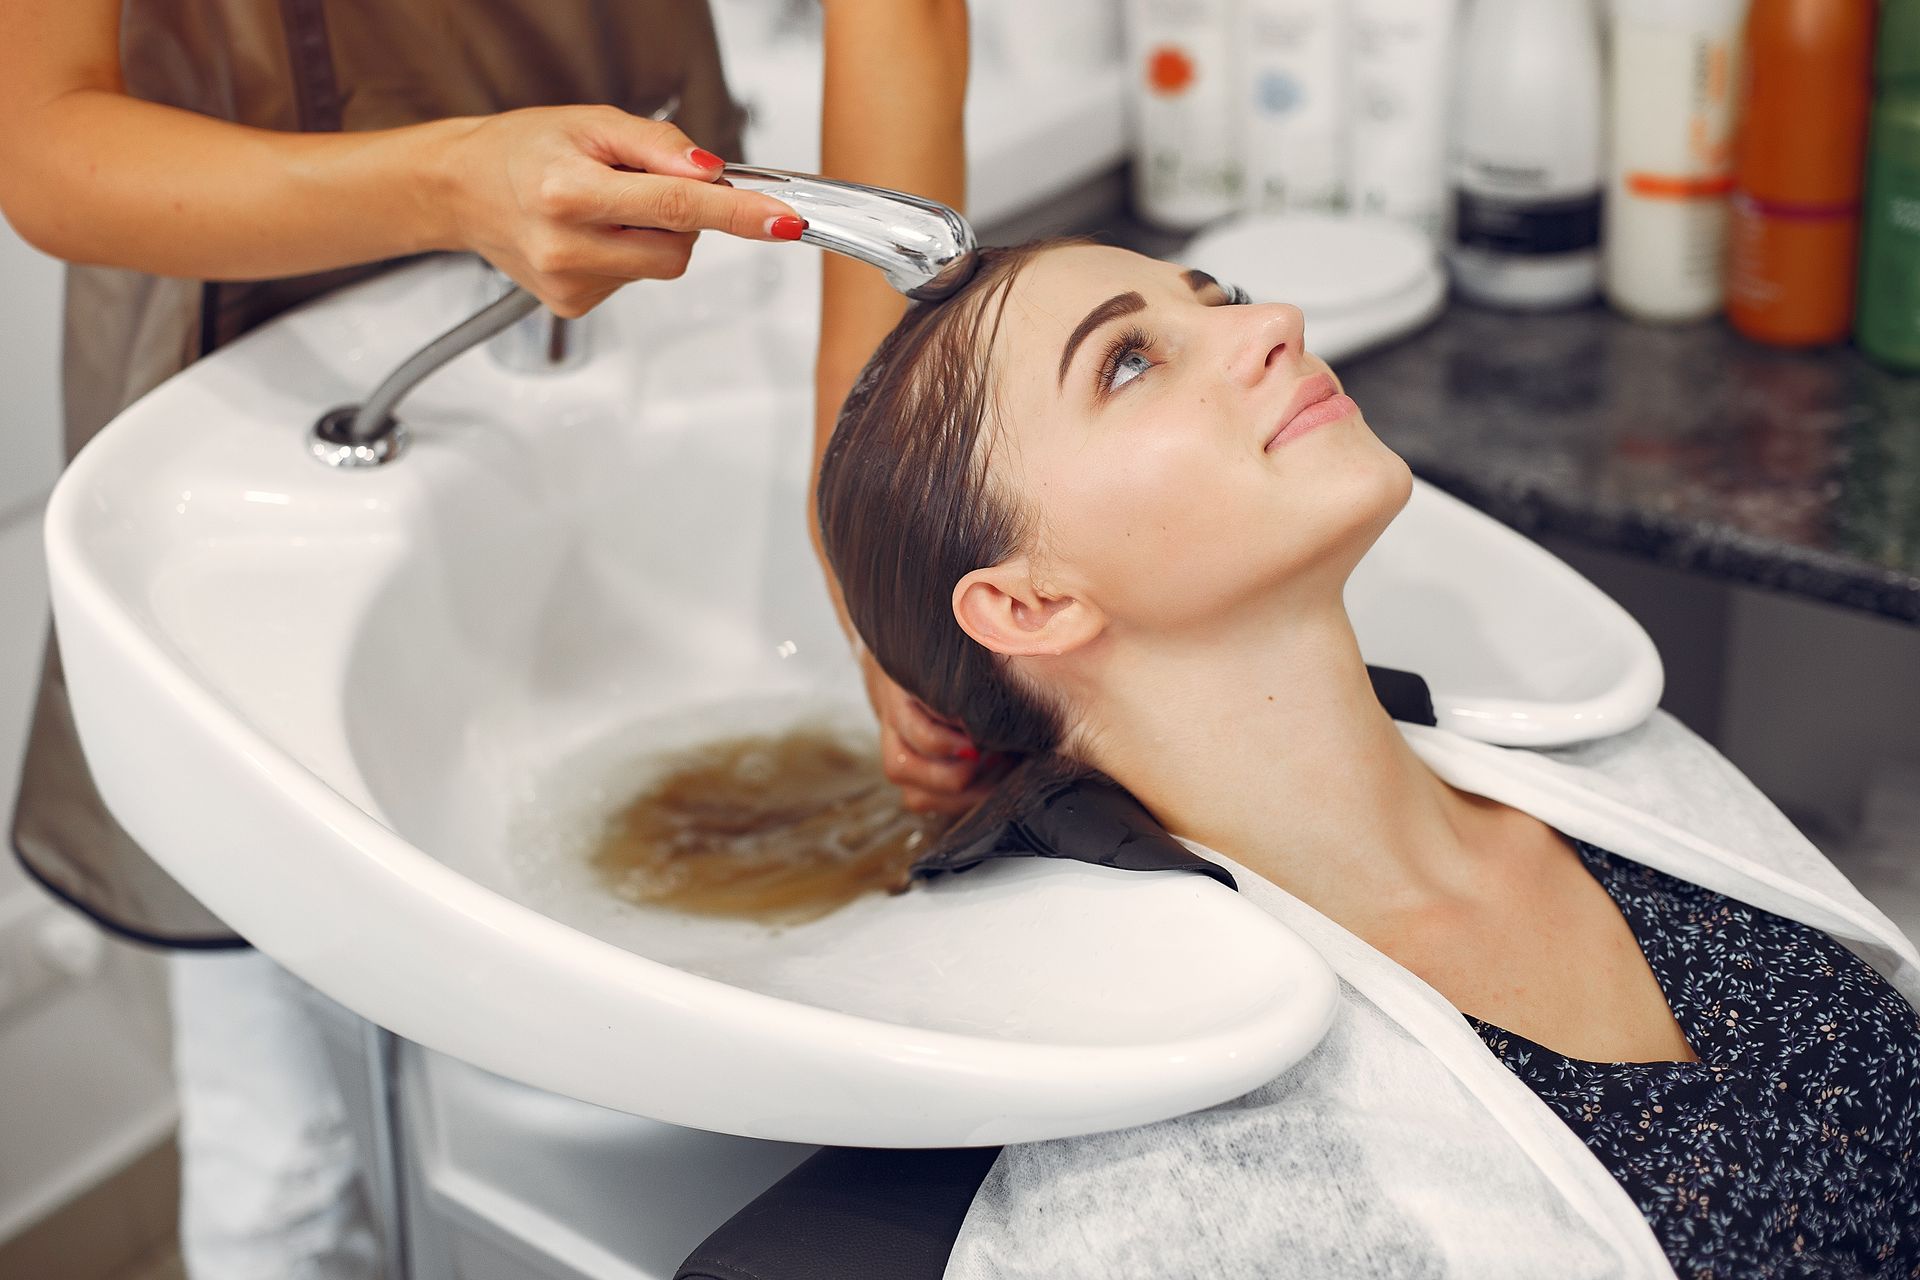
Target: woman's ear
[(1004, 610)]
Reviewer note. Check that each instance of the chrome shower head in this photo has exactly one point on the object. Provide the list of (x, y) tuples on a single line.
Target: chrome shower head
[(926, 249)]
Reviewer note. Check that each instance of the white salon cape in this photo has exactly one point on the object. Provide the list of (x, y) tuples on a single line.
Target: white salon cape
[(1401, 1146)]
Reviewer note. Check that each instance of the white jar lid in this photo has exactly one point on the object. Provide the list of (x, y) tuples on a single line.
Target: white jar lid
[(1324, 264), (1715, 17), (1361, 281)]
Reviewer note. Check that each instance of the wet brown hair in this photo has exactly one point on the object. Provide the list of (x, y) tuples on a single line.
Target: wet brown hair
[(907, 508)]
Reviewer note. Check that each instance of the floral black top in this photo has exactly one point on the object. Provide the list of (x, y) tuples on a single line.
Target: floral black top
[(1792, 1148)]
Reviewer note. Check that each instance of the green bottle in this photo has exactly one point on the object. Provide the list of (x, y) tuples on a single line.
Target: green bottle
[(1887, 326)]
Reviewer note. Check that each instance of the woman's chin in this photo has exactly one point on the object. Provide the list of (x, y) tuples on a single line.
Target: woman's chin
[(1388, 479), (1373, 500), (1403, 487)]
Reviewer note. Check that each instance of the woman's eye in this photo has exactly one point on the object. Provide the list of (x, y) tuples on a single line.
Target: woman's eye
[(1237, 297), (1125, 360), (1129, 366)]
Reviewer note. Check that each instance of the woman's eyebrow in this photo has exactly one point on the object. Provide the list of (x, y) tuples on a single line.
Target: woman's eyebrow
[(1120, 304), (1198, 280)]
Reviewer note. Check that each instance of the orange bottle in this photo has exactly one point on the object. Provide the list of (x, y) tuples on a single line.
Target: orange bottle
[(1798, 159)]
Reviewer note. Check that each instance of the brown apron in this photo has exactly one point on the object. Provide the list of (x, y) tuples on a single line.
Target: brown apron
[(309, 65)]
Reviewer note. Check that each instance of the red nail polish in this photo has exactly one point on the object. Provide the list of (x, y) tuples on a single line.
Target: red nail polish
[(704, 158), (788, 227), (967, 753)]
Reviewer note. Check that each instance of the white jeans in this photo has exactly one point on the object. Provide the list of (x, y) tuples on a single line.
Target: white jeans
[(269, 1174)]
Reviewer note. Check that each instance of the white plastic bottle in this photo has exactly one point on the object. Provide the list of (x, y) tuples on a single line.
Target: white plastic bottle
[(1396, 145), (1292, 91), (1186, 158), (1674, 72), (1527, 165)]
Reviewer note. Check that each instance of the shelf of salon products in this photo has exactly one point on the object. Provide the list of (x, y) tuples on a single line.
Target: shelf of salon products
[(1680, 157)]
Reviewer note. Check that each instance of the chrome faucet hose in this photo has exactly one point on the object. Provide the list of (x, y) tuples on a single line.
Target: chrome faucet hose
[(371, 420)]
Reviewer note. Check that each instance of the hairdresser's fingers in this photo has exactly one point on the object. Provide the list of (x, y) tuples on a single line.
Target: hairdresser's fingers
[(571, 297), (680, 204), (925, 732), (987, 775), (927, 760), (623, 253), (929, 736), (576, 271), (615, 137), (906, 767)]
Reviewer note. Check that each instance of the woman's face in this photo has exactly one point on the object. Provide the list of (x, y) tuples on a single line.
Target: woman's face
[(1182, 458)]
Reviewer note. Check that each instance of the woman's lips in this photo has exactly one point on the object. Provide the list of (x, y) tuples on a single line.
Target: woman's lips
[(1317, 402)]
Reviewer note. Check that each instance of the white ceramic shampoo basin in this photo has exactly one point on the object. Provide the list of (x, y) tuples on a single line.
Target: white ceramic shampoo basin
[(369, 718)]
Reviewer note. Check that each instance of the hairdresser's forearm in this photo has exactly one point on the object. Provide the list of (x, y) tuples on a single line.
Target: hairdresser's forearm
[(893, 114), (896, 83), (113, 180)]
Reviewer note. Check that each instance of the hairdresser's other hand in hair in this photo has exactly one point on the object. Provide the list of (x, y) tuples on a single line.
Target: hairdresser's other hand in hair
[(573, 202), (936, 767), (891, 115)]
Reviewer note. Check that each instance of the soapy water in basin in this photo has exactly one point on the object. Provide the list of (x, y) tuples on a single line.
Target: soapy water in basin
[(970, 955), (772, 811), (781, 828)]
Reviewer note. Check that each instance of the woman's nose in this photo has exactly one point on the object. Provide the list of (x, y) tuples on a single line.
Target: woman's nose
[(1267, 336)]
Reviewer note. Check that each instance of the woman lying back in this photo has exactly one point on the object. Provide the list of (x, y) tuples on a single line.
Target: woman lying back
[(1099, 509)]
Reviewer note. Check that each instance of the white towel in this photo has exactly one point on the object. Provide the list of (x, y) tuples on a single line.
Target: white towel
[(1401, 1146)]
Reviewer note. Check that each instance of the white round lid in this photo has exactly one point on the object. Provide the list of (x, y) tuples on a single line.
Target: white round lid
[(1322, 263)]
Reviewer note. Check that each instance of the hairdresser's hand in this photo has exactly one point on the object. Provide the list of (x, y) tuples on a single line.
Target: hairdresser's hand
[(936, 768), (573, 202)]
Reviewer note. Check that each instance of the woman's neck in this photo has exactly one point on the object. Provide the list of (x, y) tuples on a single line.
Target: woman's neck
[(1267, 743)]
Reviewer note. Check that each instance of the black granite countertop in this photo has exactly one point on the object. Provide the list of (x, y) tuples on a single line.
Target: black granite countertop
[(1682, 444), (1686, 445)]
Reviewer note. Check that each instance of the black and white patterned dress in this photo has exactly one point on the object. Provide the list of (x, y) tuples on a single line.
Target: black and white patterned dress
[(1792, 1148)]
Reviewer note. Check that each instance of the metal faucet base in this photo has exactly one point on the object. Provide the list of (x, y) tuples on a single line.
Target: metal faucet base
[(331, 440)]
